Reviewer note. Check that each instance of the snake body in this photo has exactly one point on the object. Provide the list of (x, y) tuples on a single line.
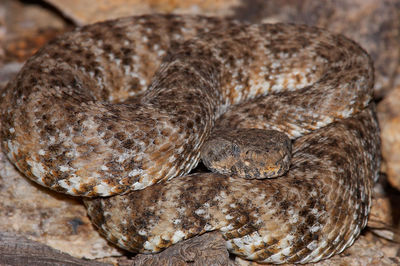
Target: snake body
[(115, 107)]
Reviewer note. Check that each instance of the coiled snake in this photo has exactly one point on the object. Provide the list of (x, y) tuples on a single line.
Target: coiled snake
[(114, 107)]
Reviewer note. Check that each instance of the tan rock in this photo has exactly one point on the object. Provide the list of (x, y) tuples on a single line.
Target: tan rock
[(89, 11), (389, 120)]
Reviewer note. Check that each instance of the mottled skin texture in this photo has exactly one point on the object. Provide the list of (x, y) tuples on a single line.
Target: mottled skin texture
[(121, 105), (311, 213)]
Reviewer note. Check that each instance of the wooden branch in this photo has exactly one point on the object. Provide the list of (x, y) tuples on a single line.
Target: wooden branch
[(18, 250)]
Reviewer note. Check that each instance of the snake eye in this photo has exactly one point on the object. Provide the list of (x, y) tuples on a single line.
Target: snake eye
[(235, 149)]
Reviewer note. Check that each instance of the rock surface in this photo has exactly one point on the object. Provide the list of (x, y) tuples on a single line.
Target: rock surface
[(389, 120)]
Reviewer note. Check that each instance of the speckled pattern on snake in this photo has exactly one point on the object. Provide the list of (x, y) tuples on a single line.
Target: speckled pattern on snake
[(123, 108)]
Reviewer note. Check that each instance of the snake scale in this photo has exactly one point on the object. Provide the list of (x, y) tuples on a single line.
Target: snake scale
[(118, 107)]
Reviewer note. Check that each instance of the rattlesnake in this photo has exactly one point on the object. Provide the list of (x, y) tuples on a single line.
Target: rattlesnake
[(121, 105)]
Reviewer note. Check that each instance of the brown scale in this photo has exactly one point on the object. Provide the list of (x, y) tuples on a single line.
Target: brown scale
[(71, 122)]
